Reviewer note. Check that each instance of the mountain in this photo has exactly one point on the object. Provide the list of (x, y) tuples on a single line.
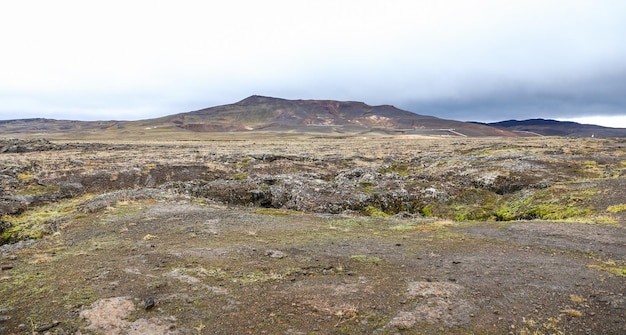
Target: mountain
[(267, 114), (547, 127), (259, 113)]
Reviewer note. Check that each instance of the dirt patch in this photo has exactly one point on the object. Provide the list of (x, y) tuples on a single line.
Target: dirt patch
[(109, 316), (436, 302)]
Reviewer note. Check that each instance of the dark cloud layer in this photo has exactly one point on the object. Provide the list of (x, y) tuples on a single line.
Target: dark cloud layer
[(598, 96)]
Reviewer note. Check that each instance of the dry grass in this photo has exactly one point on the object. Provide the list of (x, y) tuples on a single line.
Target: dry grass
[(576, 299), (572, 312)]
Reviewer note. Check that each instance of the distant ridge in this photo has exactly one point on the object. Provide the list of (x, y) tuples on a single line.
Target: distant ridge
[(548, 127)]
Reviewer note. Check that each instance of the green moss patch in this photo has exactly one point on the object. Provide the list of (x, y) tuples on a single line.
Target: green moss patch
[(554, 203), (37, 222), (616, 208), (375, 212)]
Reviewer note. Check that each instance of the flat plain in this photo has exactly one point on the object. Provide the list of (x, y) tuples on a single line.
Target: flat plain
[(304, 234)]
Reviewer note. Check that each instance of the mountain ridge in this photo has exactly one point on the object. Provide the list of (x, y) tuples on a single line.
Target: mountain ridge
[(263, 113), (550, 127), (258, 113)]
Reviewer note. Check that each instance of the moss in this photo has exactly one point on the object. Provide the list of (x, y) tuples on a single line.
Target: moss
[(35, 223), (604, 220), (348, 222), (276, 211), (375, 212), (554, 203), (611, 266), (240, 176), (616, 208), (427, 210), (244, 162), (591, 169), (474, 204), (366, 187), (399, 168), (366, 258), (24, 176)]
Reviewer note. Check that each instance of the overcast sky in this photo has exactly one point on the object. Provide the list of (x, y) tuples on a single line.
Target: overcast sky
[(459, 59)]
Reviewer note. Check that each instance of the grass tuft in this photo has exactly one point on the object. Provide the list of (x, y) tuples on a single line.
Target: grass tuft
[(572, 312)]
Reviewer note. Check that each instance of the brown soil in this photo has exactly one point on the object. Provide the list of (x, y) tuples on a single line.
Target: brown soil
[(213, 266)]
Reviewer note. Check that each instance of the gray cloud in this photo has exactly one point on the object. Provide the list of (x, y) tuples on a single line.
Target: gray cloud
[(600, 95)]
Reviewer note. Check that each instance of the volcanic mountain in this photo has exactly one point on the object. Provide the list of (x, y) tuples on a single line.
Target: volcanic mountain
[(259, 113), (267, 114)]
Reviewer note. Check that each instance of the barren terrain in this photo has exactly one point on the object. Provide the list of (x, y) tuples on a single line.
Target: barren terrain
[(313, 235)]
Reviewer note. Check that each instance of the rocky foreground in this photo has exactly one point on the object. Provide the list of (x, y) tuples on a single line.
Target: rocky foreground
[(314, 235)]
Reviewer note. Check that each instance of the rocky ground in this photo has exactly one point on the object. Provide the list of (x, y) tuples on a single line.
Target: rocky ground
[(298, 235)]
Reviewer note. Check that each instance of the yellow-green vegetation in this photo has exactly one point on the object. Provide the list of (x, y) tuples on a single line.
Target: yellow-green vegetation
[(366, 258), (39, 189), (126, 207), (246, 276), (399, 168), (617, 268), (549, 326), (404, 226), (24, 176), (345, 223), (572, 312), (427, 210), (554, 203), (575, 298), (421, 226), (375, 212), (475, 204), (603, 219), (616, 208), (35, 223), (240, 176), (366, 187), (557, 202), (276, 211), (244, 162), (472, 204), (591, 169)]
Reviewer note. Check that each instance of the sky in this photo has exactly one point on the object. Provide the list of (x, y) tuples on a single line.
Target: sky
[(488, 60)]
